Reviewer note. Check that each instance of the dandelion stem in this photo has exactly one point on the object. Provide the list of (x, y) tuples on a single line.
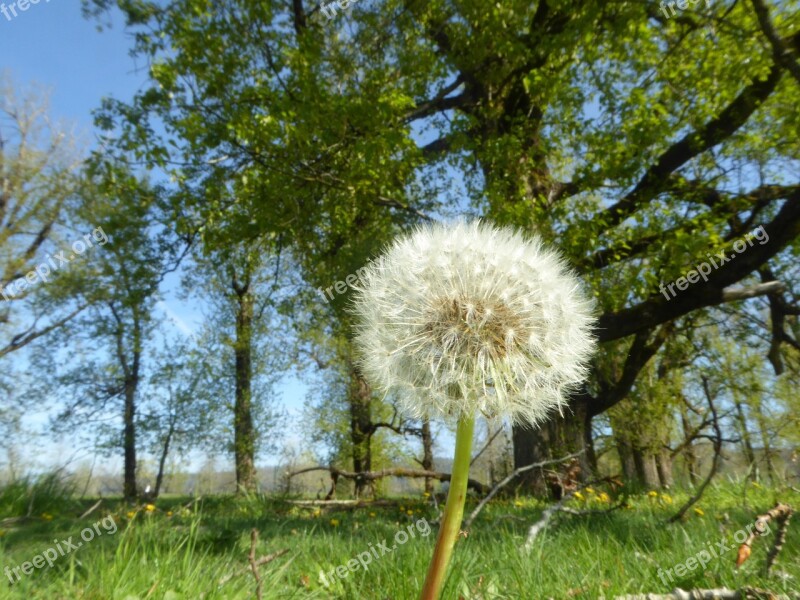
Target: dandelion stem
[(453, 511)]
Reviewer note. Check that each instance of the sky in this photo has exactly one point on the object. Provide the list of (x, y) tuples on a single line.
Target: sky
[(53, 47)]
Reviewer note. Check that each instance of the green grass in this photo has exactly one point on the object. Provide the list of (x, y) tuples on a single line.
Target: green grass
[(175, 553)]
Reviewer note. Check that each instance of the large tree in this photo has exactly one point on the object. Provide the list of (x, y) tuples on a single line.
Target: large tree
[(641, 143)]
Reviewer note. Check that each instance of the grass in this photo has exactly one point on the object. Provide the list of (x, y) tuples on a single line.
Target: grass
[(173, 551)]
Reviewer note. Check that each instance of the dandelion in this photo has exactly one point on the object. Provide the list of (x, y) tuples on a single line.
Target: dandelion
[(578, 496), (372, 514), (335, 522), (698, 511), (652, 494), (169, 513), (410, 512), (604, 498), (589, 490), (459, 319), (666, 498), (150, 507), (131, 514), (518, 503)]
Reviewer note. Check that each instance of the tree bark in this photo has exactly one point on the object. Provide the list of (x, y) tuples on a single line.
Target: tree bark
[(163, 459), (427, 453), (561, 435), (646, 470), (244, 433), (747, 444), (360, 427)]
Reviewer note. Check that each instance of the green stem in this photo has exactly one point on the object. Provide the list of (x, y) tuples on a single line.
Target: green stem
[(453, 511)]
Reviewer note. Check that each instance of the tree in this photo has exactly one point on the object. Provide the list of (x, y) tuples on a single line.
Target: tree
[(39, 173), (654, 144)]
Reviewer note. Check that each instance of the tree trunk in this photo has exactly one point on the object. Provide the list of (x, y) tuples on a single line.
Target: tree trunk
[(646, 470), (762, 427), (689, 454), (360, 427), (129, 435), (626, 460), (427, 453), (243, 431), (664, 466), (163, 459), (559, 436), (747, 444)]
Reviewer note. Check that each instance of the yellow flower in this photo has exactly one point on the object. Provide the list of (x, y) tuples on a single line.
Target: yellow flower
[(149, 507), (402, 508), (131, 514), (47, 516), (335, 522), (666, 498), (589, 490), (317, 512), (603, 497), (652, 494), (169, 513), (409, 512), (371, 514), (578, 495), (518, 503), (426, 494), (698, 511)]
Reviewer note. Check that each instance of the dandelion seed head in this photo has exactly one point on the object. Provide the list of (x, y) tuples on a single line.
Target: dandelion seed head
[(468, 316)]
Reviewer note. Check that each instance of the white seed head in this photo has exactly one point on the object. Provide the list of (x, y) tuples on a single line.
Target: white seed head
[(469, 317)]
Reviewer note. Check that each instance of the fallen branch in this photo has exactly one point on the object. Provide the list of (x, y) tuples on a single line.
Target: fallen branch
[(254, 563), (780, 513), (507, 480), (91, 509), (342, 504), (746, 593), (550, 512), (392, 472)]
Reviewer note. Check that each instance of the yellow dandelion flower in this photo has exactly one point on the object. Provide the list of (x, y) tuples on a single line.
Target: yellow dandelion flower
[(131, 514), (169, 513), (518, 503), (666, 498), (335, 522), (589, 490), (579, 496), (317, 512), (603, 497), (371, 514), (150, 507), (409, 512), (426, 494), (698, 511), (652, 494)]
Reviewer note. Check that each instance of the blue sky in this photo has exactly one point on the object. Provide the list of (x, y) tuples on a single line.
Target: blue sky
[(51, 45)]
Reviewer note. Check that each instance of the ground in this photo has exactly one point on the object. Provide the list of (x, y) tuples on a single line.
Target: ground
[(177, 548)]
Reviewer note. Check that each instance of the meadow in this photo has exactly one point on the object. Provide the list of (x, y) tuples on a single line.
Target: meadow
[(182, 548)]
